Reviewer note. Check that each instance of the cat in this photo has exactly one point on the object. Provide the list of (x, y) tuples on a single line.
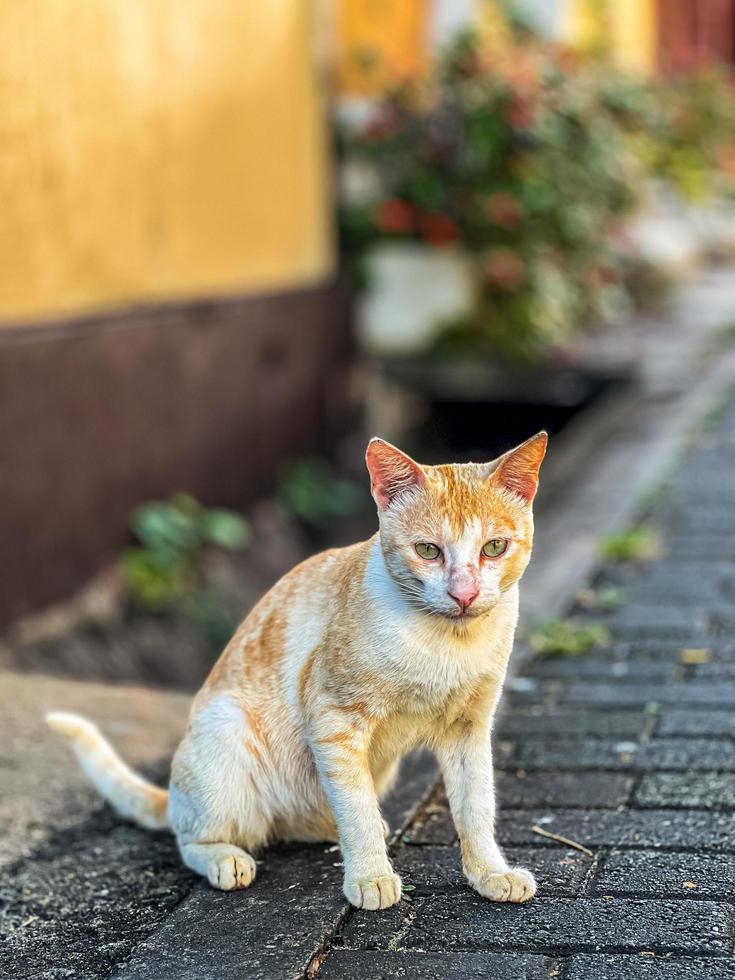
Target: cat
[(353, 658)]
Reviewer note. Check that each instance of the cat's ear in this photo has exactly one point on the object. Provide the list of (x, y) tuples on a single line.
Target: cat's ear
[(518, 469), (391, 472)]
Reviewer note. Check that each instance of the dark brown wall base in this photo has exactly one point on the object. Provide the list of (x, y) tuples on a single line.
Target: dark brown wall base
[(99, 414)]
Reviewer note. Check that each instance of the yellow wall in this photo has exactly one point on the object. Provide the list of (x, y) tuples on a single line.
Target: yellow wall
[(157, 148), (633, 34), (626, 29), (380, 43)]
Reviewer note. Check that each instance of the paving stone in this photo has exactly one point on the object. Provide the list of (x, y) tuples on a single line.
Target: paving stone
[(645, 619), (696, 721), (715, 517), (719, 547), (42, 786), (435, 827), (666, 828), (714, 671), (661, 753), (417, 776), (721, 620), (666, 875), (355, 964), (710, 790), (561, 720), (697, 583), (647, 968), (87, 899), (606, 668), (687, 692), (566, 789), (548, 925), (439, 869), (650, 650), (269, 930), (661, 828)]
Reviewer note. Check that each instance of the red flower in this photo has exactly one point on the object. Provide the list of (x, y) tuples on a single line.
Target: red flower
[(567, 58), (381, 125), (726, 158), (503, 268), (438, 228), (503, 210), (520, 113), (600, 274), (394, 216)]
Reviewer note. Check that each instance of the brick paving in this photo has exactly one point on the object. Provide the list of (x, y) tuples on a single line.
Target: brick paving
[(627, 751)]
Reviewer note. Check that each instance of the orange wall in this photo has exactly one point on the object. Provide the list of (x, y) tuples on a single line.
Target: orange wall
[(154, 149), (380, 42)]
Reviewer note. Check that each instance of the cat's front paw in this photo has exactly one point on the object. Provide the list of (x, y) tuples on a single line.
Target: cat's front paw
[(513, 885), (373, 892), (231, 872)]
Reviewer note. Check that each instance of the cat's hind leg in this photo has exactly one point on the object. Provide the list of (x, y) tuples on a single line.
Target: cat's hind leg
[(225, 866), (219, 804)]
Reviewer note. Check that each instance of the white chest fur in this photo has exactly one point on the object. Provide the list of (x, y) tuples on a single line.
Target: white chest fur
[(424, 654)]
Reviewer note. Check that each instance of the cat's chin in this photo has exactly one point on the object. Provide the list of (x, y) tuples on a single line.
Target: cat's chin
[(464, 619)]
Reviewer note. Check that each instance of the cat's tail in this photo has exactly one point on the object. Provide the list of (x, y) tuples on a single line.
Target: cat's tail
[(132, 796)]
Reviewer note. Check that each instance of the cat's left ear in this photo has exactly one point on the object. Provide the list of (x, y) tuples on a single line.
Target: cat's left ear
[(391, 472), (518, 469)]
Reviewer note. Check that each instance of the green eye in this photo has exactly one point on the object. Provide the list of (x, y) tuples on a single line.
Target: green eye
[(494, 548), (428, 551)]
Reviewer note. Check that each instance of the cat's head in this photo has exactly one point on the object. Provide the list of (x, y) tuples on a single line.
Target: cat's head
[(456, 537)]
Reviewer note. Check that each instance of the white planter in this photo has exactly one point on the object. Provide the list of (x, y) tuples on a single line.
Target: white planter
[(413, 290)]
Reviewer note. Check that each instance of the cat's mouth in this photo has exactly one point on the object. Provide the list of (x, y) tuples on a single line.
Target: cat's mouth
[(464, 617)]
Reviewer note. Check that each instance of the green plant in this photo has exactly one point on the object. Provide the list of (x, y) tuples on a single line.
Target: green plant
[(691, 140), (167, 568), (607, 597), (565, 638), (529, 156), (523, 158), (310, 491), (636, 544)]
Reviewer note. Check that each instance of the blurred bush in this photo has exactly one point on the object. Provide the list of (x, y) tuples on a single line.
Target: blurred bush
[(566, 638), (167, 571), (691, 139), (527, 160)]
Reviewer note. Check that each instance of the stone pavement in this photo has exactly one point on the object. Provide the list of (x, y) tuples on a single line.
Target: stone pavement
[(630, 752)]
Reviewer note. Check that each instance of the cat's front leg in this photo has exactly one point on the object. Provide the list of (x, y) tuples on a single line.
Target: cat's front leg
[(340, 749), (465, 758)]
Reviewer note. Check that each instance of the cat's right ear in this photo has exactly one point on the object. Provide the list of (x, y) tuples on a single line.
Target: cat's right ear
[(391, 472)]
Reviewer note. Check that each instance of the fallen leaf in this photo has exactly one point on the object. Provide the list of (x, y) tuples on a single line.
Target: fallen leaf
[(695, 655)]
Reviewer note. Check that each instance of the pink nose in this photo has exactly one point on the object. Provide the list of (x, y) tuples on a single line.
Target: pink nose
[(464, 597)]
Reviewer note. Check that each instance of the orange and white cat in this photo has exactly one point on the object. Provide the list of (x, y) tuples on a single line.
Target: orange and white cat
[(352, 659)]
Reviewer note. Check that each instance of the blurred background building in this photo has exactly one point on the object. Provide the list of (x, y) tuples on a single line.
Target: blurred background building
[(170, 314)]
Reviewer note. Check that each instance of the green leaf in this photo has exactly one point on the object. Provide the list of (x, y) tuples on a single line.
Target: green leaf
[(562, 638), (150, 581), (225, 528), (164, 525)]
